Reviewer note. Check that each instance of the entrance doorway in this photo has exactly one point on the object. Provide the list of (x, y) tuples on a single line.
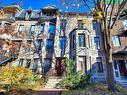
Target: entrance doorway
[(122, 69), (60, 66)]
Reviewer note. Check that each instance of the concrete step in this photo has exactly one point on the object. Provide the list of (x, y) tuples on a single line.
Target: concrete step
[(52, 82), (122, 82)]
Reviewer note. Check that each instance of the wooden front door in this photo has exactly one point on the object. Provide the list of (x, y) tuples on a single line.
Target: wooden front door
[(60, 66)]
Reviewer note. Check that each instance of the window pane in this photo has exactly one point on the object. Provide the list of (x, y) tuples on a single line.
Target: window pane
[(81, 40), (39, 44), (125, 24), (42, 28), (97, 42), (62, 42), (21, 28), (28, 61), (100, 65), (20, 62), (116, 40), (63, 24), (32, 29), (49, 44), (80, 24), (29, 44), (52, 28)]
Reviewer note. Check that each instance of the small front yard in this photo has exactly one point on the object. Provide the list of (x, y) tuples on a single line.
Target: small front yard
[(96, 89)]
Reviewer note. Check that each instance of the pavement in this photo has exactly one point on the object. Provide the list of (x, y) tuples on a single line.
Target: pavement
[(49, 92)]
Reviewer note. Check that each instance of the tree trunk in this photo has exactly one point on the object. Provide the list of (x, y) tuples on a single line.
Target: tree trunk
[(41, 63), (108, 51), (110, 77)]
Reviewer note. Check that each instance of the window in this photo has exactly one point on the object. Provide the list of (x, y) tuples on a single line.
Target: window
[(90, 63), (47, 64), (27, 16), (62, 42), (20, 62), (82, 64), (29, 44), (116, 40), (100, 65), (42, 28), (115, 64), (81, 40), (73, 39), (49, 44), (32, 29), (52, 28), (96, 26), (21, 28), (89, 41), (80, 24), (63, 24), (39, 46), (125, 24), (28, 61), (97, 42)]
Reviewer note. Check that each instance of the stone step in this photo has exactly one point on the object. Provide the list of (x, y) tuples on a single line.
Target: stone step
[(52, 82), (122, 82)]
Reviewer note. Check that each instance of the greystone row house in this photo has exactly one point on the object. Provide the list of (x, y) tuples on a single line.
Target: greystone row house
[(54, 36)]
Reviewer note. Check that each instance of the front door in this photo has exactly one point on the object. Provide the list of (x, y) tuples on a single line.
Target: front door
[(60, 66), (122, 68)]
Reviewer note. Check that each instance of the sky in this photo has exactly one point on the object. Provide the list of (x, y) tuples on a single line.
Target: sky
[(37, 4)]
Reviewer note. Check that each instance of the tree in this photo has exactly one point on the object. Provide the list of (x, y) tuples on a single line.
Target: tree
[(8, 47), (107, 13)]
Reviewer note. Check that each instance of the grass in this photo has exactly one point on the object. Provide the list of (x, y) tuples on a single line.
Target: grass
[(26, 88), (89, 89), (96, 89)]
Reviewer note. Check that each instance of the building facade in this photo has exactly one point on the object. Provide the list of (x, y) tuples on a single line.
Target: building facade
[(119, 47), (48, 36)]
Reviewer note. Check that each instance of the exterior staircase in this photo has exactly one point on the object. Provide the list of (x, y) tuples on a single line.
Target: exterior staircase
[(122, 82), (53, 83)]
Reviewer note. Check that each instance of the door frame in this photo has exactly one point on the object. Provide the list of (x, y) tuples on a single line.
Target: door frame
[(58, 69), (116, 71)]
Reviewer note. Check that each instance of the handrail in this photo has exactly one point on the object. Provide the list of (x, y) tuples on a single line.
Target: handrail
[(51, 72)]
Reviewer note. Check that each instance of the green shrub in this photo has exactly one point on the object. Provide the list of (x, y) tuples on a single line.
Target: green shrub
[(11, 76), (121, 89), (73, 79)]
